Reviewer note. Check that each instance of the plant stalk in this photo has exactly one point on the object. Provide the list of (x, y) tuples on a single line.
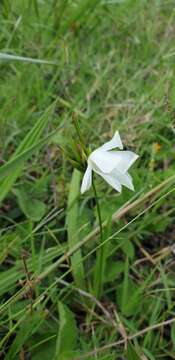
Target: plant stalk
[(99, 268)]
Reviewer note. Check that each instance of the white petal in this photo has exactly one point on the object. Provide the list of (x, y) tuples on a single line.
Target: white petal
[(101, 160), (107, 161), (112, 180), (115, 142), (87, 179), (124, 160), (124, 179)]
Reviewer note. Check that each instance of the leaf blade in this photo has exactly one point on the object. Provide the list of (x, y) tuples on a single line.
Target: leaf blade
[(67, 326), (30, 140), (73, 229)]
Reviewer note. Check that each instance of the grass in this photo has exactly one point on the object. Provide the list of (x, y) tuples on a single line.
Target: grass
[(109, 65)]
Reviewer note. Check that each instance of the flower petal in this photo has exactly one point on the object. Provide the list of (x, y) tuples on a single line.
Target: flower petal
[(112, 180), (101, 160), (87, 179), (115, 142), (124, 179), (107, 161), (124, 160)]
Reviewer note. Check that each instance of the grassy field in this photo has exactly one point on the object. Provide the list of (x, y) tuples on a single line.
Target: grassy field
[(106, 66)]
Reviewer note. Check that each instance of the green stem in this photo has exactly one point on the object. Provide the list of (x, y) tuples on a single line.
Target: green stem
[(98, 286)]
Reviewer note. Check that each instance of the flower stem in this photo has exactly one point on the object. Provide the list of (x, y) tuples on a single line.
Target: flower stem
[(98, 279)]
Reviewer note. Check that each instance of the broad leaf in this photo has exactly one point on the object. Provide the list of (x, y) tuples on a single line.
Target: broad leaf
[(34, 209), (68, 335)]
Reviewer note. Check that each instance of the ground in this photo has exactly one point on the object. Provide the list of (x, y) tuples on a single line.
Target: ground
[(102, 66)]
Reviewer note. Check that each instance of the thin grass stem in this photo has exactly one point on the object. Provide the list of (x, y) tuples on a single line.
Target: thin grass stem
[(98, 279)]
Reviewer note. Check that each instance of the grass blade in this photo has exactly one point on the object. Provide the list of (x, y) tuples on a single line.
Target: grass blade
[(9, 57), (31, 139), (73, 229), (79, 12), (27, 328), (11, 165), (132, 352)]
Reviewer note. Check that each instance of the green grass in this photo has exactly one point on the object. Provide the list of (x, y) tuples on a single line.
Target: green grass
[(110, 65)]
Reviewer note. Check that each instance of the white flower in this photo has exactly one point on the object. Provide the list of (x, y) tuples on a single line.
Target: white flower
[(112, 166)]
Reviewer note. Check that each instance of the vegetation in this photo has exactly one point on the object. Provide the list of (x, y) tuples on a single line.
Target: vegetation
[(102, 66)]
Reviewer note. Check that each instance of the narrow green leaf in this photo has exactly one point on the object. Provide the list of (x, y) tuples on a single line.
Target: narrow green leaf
[(73, 229), (165, 282), (10, 57), (59, 9), (148, 354), (34, 209), (45, 351), (9, 278), (34, 134), (114, 269), (14, 163), (173, 334), (78, 13), (135, 297), (132, 353), (100, 264), (27, 328), (69, 355), (125, 285), (30, 140), (35, 4), (68, 334)]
